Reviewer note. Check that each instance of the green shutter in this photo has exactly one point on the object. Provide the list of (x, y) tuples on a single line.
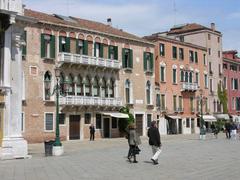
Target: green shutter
[(109, 51), (77, 52), (144, 61), (85, 47), (123, 58), (42, 46), (60, 43), (101, 50), (95, 49), (131, 59), (115, 52), (151, 62), (52, 45), (24, 50), (67, 44)]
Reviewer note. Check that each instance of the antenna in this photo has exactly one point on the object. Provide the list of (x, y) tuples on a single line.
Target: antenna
[(175, 11)]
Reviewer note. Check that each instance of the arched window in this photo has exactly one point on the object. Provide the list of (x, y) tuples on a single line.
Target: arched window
[(47, 85), (95, 87), (127, 91), (79, 86), (190, 77), (71, 90), (88, 87), (111, 88), (62, 80), (148, 92), (186, 76), (104, 88), (182, 75)]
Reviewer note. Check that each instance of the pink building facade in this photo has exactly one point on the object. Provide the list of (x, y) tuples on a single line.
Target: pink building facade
[(231, 80)]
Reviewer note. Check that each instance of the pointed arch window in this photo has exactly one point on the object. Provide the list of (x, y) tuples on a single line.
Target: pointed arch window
[(186, 76), (104, 88), (190, 77), (47, 85), (95, 87), (127, 91), (182, 75), (79, 86), (148, 92), (111, 88), (71, 90), (88, 87)]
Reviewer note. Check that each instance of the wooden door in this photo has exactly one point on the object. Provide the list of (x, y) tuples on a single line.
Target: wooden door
[(139, 124), (74, 127), (106, 127)]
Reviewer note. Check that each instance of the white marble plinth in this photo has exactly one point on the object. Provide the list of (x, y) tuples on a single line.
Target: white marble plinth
[(13, 148), (57, 150)]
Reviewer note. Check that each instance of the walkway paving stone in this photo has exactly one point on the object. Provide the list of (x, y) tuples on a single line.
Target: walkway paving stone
[(184, 157)]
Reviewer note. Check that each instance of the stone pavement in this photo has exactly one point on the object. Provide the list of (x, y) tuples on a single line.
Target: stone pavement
[(183, 157)]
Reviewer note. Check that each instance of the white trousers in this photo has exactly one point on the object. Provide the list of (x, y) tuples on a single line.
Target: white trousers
[(156, 152), (234, 134)]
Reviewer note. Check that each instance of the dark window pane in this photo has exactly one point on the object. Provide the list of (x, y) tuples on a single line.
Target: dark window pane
[(98, 121), (87, 118), (114, 122)]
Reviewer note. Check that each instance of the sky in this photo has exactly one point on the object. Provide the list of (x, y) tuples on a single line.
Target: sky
[(145, 17)]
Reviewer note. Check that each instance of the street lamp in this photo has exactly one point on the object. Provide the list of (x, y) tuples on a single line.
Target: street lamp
[(202, 129), (57, 146)]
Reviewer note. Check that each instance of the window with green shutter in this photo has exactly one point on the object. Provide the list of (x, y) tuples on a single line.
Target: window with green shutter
[(174, 76), (24, 47), (47, 46), (127, 58), (162, 71), (85, 47), (98, 49), (64, 44), (115, 52), (148, 61), (174, 52), (196, 57), (162, 49)]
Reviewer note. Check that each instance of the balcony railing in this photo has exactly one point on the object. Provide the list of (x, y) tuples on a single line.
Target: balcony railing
[(88, 60), (11, 5), (189, 86), (89, 101)]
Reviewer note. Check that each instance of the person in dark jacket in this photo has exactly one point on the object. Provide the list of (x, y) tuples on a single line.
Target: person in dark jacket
[(92, 132), (228, 130), (133, 141), (154, 141)]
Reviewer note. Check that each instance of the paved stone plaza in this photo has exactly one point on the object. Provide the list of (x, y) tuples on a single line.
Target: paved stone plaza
[(183, 157)]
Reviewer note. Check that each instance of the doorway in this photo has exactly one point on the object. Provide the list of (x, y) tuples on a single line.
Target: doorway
[(74, 127), (139, 124), (179, 126), (192, 126), (106, 127)]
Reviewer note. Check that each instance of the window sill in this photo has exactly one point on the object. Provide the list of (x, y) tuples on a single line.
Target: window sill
[(49, 101), (163, 82), (127, 69), (49, 131), (149, 72), (48, 59), (175, 83)]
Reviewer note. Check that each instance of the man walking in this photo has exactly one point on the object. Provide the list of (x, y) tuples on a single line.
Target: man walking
[(154, 141), (92, 132)]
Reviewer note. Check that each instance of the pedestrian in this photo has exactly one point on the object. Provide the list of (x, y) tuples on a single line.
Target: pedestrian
[(234, 130), (133, 141), (92, 132), (154, 141), (228, 130)]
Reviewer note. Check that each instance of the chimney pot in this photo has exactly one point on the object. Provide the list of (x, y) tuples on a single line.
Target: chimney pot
[(213, 26), (109, 21)]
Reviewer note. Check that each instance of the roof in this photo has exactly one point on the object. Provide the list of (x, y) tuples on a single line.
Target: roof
[(157, 37), (82, 24), (189, 28)]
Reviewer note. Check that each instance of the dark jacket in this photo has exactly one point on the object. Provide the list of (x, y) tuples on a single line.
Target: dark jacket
[(92, 129), (154, 137)]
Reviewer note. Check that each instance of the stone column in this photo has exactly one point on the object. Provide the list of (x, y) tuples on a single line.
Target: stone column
[(13, 144)]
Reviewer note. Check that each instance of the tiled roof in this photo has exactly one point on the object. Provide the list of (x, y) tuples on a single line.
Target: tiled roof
[(188, 28), (82, 24)]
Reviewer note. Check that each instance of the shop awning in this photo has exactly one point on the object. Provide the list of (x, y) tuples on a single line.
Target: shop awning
[(209, 118), (174, 117), (235, 118), (115, 114), (222, 116)]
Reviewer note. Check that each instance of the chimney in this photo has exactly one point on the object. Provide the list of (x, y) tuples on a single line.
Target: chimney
[(213, 26), (109, 21)]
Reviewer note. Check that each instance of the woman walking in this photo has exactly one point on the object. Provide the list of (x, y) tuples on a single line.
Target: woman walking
[(133, 141)]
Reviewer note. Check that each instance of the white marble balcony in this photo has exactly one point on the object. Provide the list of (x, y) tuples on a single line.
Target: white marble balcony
[(11, 5), (88, 60), (89, 101), (189, 86)]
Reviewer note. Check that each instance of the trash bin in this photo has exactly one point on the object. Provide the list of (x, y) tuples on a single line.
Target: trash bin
[(48, 146)]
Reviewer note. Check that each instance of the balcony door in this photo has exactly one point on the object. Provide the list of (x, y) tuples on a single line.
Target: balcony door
[(74, 127), (139, 124)]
